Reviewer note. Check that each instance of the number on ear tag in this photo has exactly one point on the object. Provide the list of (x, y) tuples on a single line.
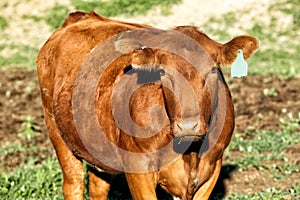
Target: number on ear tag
[(239, 67)]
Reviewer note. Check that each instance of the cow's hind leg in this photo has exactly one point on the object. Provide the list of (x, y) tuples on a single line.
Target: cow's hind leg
[(72, 168), (99, 184)]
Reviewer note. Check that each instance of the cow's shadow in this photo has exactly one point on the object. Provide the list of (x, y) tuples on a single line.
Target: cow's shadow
[(220, 188), (120, 191)]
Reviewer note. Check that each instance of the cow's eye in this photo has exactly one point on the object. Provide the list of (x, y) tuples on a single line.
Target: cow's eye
[(162, 72), (214, 69)]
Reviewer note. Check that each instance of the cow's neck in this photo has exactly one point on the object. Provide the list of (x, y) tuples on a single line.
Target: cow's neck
[(191, 163)]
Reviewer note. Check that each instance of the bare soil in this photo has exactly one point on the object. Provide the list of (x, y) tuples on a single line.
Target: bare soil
[(20, 97)]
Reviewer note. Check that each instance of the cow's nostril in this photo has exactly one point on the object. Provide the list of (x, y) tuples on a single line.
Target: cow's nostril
[(187, 126), (179, 126), (196, 126)]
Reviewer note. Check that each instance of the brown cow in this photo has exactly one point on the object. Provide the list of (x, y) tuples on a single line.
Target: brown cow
[(164, 109)]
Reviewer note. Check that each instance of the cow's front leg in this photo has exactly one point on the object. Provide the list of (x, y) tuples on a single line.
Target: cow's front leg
[(142, 186), (99, 184), (206, 189)]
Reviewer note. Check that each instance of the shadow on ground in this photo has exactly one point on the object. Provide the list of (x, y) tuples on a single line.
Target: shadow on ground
[(219, 191), (119, 188)]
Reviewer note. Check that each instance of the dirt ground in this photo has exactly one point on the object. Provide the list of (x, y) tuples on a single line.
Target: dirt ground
[(254, 106)]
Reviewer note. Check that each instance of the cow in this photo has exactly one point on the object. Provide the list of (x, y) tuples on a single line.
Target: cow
[(162, 120)]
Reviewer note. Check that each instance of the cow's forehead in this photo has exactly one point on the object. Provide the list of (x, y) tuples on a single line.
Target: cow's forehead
[(168, 41)]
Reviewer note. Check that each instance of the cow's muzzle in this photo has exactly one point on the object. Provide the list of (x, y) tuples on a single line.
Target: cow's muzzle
[(187, 144)]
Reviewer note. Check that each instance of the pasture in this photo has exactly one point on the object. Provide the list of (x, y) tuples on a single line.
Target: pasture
[(263, 158)]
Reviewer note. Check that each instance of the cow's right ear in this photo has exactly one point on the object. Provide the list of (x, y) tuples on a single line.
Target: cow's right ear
[(230, 49)]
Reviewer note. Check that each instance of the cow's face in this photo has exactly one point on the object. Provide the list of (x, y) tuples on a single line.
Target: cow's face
[(185, 93)]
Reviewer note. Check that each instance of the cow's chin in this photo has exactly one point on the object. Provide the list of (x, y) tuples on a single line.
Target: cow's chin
[(188, 143)]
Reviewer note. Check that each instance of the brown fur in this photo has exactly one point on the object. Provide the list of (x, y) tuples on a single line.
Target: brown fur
[(189, 176)]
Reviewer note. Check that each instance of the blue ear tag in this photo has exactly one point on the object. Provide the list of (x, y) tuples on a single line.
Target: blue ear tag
[(239, 67)]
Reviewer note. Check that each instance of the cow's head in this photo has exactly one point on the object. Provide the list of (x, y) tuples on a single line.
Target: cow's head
[(190, 96)]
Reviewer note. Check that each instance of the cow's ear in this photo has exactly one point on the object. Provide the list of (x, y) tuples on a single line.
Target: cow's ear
[(229, 50)]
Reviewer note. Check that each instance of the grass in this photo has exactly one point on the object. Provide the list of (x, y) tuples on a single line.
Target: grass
[(56, 16), (112, 8), (32, 181), (258, 146), (279, 45), (18, 55), (3, 23), (271, 193), (122, 7), (267, 152), (291, 7), (44, 180), (24, 144)]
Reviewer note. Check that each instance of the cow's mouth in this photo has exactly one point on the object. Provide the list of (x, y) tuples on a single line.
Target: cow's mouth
[(188, 143)]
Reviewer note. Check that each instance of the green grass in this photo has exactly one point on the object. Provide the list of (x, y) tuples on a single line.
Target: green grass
[(18, 55), (35, 18), (261, 149), (111, 8), (32, 181), (56, 16), (121, 7), (270, 193), (279, 47), (3, 23), (25, 55), (291, 7), (258, 146), (24, 144), (43, 180)]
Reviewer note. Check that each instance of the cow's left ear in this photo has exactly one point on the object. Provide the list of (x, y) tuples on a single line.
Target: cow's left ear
[(230, 49)]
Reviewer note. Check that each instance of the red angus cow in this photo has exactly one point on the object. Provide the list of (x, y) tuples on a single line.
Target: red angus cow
[(192, 126)]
